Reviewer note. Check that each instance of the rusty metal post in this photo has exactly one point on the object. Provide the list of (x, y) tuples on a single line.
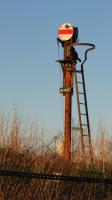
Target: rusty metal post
[(68, 105), (68, 108)]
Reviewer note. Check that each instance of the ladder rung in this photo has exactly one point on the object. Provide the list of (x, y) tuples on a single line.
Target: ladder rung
[(80, 82), (82, 103), (80, 92), (83, 114), (78, 71), (84, 124)]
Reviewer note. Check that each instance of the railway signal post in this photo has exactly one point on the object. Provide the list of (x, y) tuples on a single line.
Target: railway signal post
[(68, 37)]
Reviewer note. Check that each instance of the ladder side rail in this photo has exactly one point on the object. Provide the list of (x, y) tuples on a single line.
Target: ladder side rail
[(79, 115), (86, 108), (85, 98)]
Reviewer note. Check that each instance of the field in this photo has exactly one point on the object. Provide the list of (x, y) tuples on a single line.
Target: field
[(21, 151)]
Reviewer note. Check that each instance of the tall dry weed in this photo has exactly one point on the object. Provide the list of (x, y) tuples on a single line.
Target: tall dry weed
[(22, 152)]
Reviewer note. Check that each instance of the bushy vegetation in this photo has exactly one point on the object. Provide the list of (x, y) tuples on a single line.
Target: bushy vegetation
[(25, 152)]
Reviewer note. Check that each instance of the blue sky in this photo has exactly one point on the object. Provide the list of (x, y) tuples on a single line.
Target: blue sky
[(29, 75)]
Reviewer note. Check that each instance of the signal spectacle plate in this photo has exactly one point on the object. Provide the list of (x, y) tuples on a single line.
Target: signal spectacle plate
[(65, 32)]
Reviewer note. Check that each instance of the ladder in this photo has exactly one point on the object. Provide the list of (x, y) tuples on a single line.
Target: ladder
[(87, 151), (83, 114)]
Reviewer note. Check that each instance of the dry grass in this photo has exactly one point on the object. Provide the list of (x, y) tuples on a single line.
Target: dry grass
[(23, 152)]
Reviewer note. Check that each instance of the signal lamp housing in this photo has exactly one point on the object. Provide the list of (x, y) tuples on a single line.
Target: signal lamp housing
[(67, 32)]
